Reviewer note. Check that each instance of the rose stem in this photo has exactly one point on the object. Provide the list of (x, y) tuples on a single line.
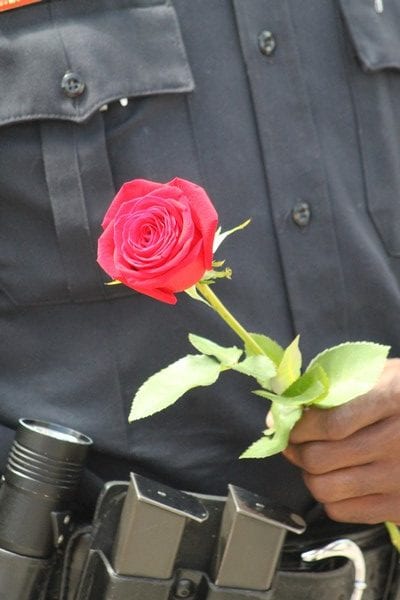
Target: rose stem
[(394, 534), (224, 313)]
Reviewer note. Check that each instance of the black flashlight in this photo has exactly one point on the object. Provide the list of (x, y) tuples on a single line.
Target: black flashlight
[(42, 473), (41, 477)]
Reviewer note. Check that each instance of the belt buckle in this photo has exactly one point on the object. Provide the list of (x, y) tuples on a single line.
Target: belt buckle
[(347, 549)]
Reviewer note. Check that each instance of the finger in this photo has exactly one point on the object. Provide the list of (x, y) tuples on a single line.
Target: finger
[(269, 421), (337, 423), (370, 510), (354, 482), (370, 444), (341, 422)]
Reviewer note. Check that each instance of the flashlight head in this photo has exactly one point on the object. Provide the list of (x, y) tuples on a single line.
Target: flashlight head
[(46, 458), (41, 477)]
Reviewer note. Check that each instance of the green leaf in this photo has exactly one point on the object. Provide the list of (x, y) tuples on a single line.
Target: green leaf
[(165, 387), (289, 368), (218, 263), (212, 275), (193, 293), (225, 356), (260, 367), (353, 368), (263, 447), (114, 282), (219, 236), (285, 417), (270, 348), (308, 389)]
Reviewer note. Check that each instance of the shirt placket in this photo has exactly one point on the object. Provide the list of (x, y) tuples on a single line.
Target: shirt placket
[(300, 204)]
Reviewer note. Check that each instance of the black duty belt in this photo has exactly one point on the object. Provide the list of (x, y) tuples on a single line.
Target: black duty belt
[(122, 558)]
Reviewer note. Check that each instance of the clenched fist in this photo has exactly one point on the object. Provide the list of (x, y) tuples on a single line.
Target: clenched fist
[(350, 455)]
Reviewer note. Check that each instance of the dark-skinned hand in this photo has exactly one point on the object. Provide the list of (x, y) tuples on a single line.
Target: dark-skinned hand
[(350, 455)]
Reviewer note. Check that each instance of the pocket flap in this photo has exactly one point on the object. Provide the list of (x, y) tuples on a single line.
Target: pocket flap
[(117, 49), (375, 34)]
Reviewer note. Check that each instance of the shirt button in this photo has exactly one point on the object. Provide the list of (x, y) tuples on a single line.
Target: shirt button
[(301, 214), (267, 43), (72, 85)]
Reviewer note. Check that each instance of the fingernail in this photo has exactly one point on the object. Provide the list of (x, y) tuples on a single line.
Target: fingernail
[(270, 420)]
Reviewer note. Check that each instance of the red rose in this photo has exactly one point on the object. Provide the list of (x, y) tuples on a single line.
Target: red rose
[(158, 237)]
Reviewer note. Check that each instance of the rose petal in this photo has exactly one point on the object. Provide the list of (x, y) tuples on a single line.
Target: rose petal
[(105, 252), (156, 293), (158, 238), (178, 279), (205, 217), (185, 275), (129, 190), (174, 238)]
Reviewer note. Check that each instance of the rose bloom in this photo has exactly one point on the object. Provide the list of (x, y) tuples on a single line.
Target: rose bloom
[(158, 237)]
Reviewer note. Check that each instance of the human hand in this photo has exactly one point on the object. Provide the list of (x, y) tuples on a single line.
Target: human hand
[(350, 455)]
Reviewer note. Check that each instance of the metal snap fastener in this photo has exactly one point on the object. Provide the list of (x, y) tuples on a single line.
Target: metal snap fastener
[(185, 588), (267, 42), (301, 214), (72, 85)]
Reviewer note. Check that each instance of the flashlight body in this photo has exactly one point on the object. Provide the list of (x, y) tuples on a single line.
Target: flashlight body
[(40, 480), (26, 527), (41, 476), (23, 577)]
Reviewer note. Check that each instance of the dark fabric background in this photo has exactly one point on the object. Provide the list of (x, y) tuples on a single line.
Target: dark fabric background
[(317, 121)]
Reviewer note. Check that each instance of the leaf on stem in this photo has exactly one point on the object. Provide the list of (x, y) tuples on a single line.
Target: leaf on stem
[(289, 368), (219, 236), (263, 447), (212, 275), (165, 387), (353, 368), (285, 417), (269, 347), (258, 366), (310, 388), (194, 294), (224, 355)]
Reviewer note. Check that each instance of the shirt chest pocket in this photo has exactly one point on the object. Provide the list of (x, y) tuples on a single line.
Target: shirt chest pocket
[(61, 64), (374, 33)]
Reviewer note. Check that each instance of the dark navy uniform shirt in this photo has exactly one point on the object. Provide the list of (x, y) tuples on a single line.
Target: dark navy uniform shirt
[(288, 113)]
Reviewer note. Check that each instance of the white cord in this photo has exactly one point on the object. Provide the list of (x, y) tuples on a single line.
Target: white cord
[(347, 549)]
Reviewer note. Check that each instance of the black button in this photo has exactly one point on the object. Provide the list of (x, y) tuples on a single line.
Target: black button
[(301, 214), (267, 42), (72, 84)]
